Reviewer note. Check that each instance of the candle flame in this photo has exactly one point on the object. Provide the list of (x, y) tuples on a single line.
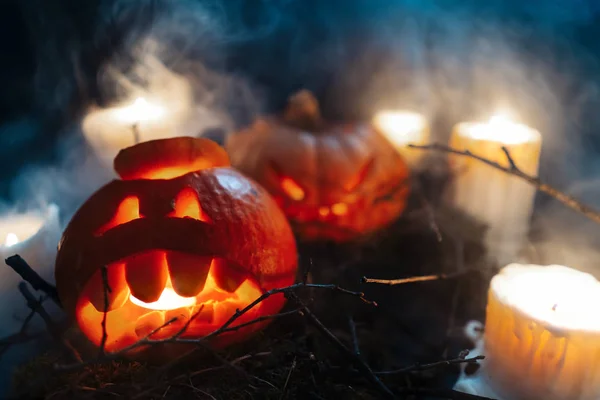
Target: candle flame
[(401, 127), (140, 110), (502, 129), (168, 300), (11, 239)]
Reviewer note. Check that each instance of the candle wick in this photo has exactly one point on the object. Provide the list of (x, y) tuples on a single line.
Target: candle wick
[(554, 307), (135, 130)]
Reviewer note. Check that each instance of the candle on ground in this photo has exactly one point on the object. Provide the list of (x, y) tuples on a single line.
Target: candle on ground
[(542, 336), (502, 201), (402, 128)]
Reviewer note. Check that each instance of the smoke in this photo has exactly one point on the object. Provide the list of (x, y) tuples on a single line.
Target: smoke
[(228, 61)]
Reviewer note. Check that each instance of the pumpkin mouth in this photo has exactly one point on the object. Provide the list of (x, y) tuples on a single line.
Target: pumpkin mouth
[(150, 288)]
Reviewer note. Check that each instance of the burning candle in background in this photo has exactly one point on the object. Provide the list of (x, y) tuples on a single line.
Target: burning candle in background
[(502, 201), (163, 108), (542, 336), (402, 128), (34, 236), (112, 129)]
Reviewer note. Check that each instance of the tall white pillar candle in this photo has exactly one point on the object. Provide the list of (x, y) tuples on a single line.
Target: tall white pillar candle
[(502, 201)]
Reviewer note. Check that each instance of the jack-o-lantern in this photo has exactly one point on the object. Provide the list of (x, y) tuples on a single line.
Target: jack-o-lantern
[(182, 234), (333, 181)]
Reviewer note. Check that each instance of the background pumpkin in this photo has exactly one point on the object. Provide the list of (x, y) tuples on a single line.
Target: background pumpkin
[(181, 233), (333, 181)]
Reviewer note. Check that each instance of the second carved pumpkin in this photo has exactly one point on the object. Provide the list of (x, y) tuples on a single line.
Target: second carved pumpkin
[(333, 181)]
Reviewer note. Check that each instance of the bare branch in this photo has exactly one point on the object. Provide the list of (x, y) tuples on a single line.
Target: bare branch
[(226, 327), (106, 290), (414, 279), (39, 309), (423, 367), (562, 197), (357, 361), (28, 274)]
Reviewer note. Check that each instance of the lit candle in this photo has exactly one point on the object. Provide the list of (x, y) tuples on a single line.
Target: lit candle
[(542, 336), (502, 201), (402, 128), (34, 236), (112, 129)]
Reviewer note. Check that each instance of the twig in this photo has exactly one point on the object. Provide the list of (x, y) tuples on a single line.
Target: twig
[(287, 379), (226, 327), (144, 393), (21, 267), (39, 309), (106, 290), (357, 361), (135, 130), (424, 367), (562, 197), (354, 335), (443, 394), (307, 271), (20, 336), (414, 279)]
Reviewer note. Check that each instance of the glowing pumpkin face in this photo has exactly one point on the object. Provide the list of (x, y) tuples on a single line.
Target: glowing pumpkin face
[(332, 181), (182, 232)]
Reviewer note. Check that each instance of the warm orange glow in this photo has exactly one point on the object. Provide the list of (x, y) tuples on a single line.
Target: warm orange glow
[(188, 205), (339, 209), (128, 210), (168, 300), (135, 319), (323, 211), (174, 172), (292, 189), (358, 178)]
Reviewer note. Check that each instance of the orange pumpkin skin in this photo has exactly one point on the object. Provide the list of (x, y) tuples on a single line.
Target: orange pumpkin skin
[(334, 182), (212, 238)]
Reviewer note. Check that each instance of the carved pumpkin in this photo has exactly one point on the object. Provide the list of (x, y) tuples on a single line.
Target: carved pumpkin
[(333, 181), (181, 232)]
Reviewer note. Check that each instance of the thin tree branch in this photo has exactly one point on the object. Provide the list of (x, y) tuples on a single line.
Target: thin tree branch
[(414, 279), (226, 327), (423, 367), (562, 197), (34, 304), (28, 274), (357, 361)]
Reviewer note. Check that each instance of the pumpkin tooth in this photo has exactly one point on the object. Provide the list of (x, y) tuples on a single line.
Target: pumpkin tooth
[(118, 293), (188, 272), (149, 322), (146, 275), (227, 277)]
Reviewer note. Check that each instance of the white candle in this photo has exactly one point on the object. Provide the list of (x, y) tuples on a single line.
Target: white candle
[(34, 236), (141, 119), (401, 128), (542, 336), (502, 201)]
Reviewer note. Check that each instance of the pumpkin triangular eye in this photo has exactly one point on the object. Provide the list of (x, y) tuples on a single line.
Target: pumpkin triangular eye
[(187, 204), (360, 177), (128, 210), (288, 185)]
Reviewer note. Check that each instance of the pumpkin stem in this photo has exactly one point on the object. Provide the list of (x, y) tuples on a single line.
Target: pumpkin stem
[(303, 111)]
